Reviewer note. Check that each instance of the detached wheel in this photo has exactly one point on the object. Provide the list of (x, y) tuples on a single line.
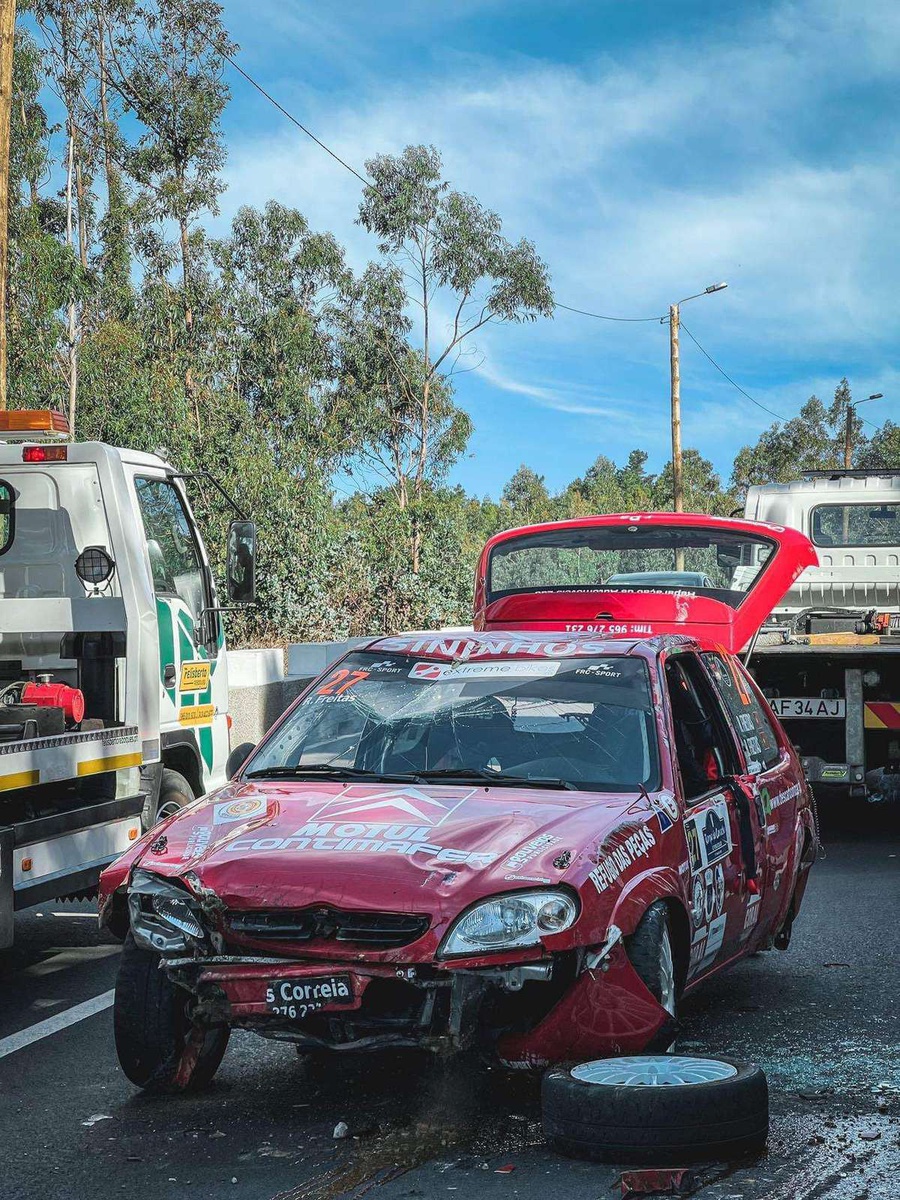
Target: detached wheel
[(152, 1029), (658, 1109), (174, 793)]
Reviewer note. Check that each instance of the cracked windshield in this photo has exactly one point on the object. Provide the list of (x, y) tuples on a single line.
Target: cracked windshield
[(584, 724), (632, 557)]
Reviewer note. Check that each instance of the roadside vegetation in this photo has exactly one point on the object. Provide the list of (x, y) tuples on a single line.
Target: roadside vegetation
[(324, 398)]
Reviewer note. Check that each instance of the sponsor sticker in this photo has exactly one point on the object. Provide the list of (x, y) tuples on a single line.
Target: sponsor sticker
[(771, 803), (198, 840), (751, 915), (665, 806), (194, 677), (492, 670), (707, 942), (530, 850), (620, 858), (229, 811), (708, 836)]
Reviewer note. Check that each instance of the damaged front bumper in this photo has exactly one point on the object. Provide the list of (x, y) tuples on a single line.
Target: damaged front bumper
[(566, 1006)]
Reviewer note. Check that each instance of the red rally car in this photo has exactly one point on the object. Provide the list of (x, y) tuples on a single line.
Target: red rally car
[(532, 838)]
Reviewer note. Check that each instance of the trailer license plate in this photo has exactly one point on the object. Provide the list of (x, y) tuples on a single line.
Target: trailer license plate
[(297, 998), (808, 706)]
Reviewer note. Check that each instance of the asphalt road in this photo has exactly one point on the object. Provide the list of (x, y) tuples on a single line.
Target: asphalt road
[(822, 1019)]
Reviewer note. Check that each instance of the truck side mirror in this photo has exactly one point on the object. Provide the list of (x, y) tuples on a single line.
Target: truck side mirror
[(238, 757), (241, 564)]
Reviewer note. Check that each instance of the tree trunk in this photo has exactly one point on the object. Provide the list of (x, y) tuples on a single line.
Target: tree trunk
[(71, 316), (190, 384), (7, 35)]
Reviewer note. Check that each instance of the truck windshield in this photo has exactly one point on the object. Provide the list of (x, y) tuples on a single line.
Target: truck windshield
[(637, 557), (856, 525), (583, 723)]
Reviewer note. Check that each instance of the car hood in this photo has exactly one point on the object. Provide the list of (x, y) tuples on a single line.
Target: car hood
[(288, 844)]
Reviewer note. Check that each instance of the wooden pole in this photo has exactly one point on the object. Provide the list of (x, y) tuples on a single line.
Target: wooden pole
[(848, 438), (674, 365), (7, 35)]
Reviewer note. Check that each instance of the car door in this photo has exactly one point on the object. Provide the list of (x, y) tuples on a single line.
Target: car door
[(770, 777), (707, 762), (193, 679)]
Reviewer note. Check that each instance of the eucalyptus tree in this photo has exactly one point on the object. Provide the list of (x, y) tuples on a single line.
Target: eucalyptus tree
[(169, 69), (460, 274)]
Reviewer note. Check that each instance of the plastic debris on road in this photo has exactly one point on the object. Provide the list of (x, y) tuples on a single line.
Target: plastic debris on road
[(654, 1182)]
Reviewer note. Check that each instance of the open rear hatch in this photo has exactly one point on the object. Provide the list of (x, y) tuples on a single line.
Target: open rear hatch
[(639, 574)]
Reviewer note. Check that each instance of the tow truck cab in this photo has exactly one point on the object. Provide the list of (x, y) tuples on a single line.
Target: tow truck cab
[(112, 654)]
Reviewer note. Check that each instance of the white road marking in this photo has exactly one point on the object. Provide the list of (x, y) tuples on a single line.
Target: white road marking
[(34, 1033)]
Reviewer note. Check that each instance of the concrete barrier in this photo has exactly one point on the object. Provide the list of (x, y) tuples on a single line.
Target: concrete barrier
[(262, 683)]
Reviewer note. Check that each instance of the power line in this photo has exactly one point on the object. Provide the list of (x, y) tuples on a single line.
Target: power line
[(368, 182), (603, 317), (725, 374), (770, 411)]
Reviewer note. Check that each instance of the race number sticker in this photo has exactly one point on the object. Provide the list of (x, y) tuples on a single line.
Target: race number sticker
[(340, 681)]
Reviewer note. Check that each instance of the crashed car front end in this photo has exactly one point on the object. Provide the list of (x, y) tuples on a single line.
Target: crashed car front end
[(552, 982), (409, 859)]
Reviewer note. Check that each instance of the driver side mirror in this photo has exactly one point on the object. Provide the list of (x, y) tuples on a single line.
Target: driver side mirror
[(240, 569)]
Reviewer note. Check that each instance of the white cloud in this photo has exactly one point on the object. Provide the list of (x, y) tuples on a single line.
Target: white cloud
[(644, 178)]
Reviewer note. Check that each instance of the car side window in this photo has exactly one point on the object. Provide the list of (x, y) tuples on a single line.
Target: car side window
[(705, 753), (751, 721), (174, 555)]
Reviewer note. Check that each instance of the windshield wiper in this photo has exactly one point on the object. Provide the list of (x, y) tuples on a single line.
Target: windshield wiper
[(325, 771), (485, 774)]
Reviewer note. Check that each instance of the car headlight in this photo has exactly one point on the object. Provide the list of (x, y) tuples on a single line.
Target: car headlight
[(163, 915), (509, 922)]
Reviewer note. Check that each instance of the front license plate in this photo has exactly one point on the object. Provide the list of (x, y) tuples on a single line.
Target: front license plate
[(297, 998), (808, 706)]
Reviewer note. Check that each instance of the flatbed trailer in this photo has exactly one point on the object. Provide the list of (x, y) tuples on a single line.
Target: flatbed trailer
[(829, 659)]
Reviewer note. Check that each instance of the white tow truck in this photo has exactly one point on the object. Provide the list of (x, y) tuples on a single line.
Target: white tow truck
[(829, 658), (113, 678)]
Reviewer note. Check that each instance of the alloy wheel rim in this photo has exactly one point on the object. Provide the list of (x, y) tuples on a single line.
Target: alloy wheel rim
[(653, 1070)]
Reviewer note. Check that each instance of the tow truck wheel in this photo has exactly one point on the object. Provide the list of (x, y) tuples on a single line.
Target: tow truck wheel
[(174, 793), (650, 952), (152, 1028), (662, 1109)]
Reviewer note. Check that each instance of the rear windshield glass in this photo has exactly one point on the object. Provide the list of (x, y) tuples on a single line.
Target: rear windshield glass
[(856, 525), (637, 557), (588, 722)]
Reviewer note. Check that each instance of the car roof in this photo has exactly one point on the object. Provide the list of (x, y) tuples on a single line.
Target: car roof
[(522, 643)]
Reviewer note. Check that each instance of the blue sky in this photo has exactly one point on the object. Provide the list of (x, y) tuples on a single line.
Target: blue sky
[(648, 149)]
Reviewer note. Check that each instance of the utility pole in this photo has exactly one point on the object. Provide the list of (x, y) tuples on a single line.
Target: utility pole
[(675, 376), (7, 35)]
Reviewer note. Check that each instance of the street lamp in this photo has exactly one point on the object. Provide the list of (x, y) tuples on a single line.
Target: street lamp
[(675, 373), (848, 427)]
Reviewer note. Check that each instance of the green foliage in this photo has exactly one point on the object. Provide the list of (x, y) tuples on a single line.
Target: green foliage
[(323, 400)]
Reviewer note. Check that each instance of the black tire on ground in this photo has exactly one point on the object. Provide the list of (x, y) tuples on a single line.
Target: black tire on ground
[(151, 1026), (174, 792), (723, 1119), (650, 952)]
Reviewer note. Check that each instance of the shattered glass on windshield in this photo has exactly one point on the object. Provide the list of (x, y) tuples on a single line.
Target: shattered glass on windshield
[(585, 723)]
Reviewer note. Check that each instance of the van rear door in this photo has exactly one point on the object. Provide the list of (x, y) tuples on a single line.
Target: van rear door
[(640, 574)]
